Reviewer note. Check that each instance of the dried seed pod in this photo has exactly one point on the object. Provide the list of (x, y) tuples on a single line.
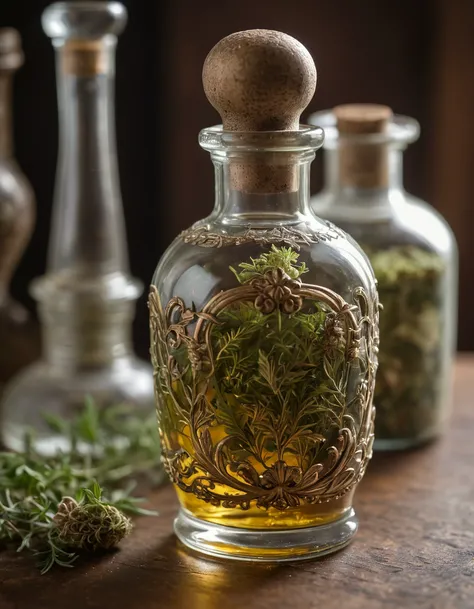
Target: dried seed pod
[(90, 526)]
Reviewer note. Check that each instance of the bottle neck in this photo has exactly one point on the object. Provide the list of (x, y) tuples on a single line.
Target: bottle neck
[(385, 175), (283, 197), (88, 235), (6, 140), (87, 298)]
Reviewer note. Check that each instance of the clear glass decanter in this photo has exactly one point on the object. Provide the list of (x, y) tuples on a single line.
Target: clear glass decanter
[(264, 329), (414, 257), (87, 296)]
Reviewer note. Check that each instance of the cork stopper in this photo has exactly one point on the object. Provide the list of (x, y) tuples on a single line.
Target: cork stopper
[(362, 165), (11, 53), (84, 57), (260, 80)]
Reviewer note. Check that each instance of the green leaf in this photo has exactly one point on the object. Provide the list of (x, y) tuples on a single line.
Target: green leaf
[(55, 423), (277, 257), (88, 423), (96, 490), (267, 370)]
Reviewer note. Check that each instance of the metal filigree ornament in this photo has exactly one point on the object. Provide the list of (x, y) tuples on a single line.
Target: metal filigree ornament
[(283, 461), (290, 236)]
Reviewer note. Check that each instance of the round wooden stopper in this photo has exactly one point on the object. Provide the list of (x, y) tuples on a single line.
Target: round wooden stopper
[(260, 80), (362, 165), (11, 53)]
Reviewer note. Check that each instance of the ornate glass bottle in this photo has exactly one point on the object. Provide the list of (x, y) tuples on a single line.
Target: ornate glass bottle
[(87, 297), (414, 256), (264, 329), (19, 335)]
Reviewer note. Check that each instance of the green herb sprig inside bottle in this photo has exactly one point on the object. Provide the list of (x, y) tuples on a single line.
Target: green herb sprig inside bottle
[(414, 256)]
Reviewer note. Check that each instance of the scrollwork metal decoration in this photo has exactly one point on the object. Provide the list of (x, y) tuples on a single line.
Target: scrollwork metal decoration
[(276, 466), (291, 236)]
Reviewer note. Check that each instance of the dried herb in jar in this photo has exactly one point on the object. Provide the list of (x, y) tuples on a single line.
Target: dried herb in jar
[(407, 392)]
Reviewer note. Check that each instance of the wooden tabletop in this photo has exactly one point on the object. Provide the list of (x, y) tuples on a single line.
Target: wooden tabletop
[(415, 548)]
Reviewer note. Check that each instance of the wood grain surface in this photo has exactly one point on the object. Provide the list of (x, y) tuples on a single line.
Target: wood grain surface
[(415, 547)]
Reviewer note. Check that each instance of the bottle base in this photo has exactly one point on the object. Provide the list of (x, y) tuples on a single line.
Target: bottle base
[(265, 545)]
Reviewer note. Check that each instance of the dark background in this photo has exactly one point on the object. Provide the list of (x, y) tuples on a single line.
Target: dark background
[(416, 56)]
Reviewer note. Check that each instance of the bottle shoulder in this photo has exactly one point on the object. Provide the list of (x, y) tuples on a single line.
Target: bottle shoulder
[(395, 218), (207, 259)]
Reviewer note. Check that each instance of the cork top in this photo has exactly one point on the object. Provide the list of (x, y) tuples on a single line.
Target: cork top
[(362, 118), (362, 165), (259, 80), (11, 53)]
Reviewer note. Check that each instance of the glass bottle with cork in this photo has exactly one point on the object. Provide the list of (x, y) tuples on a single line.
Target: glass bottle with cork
[(264, 328), (414, 257), (87, 296)]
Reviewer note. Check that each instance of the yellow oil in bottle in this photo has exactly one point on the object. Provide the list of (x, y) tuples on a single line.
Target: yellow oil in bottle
[(301, 516), (306, 515)]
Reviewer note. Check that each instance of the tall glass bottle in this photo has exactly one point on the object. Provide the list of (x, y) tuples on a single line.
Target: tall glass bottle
[(87, 296), (264, 328), (414, 257), (19, 335)]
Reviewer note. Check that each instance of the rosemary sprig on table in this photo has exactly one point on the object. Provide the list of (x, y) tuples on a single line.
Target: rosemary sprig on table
[(45, 501)]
